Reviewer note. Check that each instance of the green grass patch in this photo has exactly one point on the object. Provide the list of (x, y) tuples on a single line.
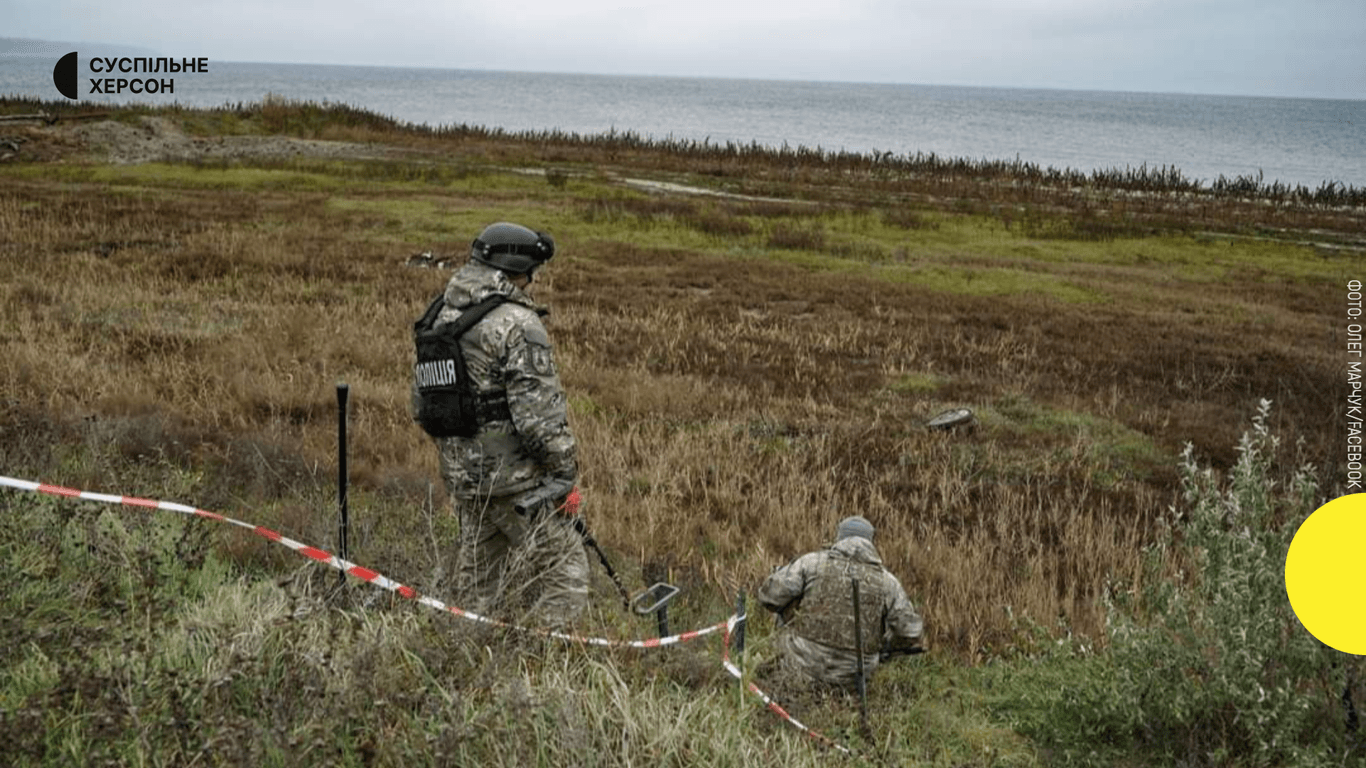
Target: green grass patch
[(421, 221), (918, 383), (413, 219), (1112, 451), (295, 175), (992, 282), (219, 123), (1158, 258), (185, 176)]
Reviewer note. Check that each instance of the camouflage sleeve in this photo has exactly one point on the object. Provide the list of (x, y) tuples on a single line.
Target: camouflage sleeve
[(904, 625), (785, 586), (537, 401)]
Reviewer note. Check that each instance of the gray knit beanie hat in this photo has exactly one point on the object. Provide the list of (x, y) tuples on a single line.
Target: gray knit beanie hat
[(854, 526)]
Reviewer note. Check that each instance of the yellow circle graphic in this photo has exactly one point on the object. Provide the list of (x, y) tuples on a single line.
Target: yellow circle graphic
[(1323, 574)]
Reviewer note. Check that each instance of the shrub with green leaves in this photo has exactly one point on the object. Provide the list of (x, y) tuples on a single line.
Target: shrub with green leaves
[(1207, 663)]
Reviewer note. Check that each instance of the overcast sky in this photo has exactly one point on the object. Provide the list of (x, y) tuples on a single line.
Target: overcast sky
[(1250, 47)]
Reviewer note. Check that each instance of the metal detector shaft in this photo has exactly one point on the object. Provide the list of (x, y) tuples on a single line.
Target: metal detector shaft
[(342, 391), (582, 528)]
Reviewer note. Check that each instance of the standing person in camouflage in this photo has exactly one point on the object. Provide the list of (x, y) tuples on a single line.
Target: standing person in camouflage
[(510, 561), (814, 596)]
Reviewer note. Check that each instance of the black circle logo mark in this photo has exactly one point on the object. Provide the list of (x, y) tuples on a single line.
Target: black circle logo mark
[(64, 75)]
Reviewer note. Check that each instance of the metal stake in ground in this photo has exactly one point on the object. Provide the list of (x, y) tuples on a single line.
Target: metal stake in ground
[(739, 635), (858, 654), (342, 392)]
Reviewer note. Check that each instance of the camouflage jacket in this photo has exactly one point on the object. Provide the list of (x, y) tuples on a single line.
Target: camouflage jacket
[(508, 352), (813, 595)]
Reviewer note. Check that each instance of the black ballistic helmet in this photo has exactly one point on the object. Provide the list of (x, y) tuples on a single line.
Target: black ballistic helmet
[(512, 248)]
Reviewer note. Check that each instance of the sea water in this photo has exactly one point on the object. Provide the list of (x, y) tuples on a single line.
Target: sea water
[(1291, 140)]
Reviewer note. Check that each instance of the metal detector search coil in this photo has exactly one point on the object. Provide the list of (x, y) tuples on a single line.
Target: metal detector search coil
[(661, 593)]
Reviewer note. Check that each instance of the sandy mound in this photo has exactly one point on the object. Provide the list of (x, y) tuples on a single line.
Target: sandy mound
[(159, 139)]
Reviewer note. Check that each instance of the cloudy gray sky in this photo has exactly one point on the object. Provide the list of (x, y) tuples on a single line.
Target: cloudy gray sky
[(1252, 47)]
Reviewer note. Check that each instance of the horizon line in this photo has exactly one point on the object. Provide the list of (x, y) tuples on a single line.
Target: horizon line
[(1154, 91)]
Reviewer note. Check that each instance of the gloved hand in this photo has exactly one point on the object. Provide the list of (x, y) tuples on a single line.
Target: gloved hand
[(572, 502)]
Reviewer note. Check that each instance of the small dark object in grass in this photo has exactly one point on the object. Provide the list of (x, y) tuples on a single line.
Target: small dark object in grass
[(949, 420)]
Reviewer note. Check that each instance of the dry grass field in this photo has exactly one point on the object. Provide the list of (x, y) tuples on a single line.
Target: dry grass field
[(743, 372)]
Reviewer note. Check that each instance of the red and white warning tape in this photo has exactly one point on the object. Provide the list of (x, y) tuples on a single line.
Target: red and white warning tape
[(360, 572), (379, 580), (772, 705)]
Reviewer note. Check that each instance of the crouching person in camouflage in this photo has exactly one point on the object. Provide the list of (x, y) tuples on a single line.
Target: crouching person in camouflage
[(814, 596), (523, 563)]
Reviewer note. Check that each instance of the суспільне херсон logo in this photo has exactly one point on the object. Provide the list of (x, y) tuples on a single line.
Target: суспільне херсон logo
[(65, 75)]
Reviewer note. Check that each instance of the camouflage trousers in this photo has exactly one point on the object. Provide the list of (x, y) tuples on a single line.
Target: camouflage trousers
[(530, 568), (802, 659)]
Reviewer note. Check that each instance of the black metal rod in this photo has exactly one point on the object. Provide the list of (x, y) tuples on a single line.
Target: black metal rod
[(858, 654), (663, 615), (342, 392), (739, 638), (582, 528)]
